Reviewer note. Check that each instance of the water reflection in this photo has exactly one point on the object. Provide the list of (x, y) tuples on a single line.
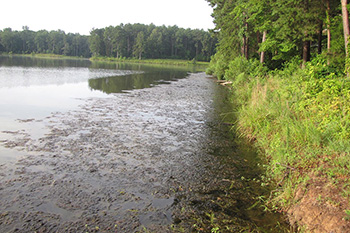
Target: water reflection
[(26, 61), (17, 71), (148, 79), (18, 76), (33, 87)]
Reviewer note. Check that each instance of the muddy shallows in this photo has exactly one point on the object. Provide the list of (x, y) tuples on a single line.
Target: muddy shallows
[(161, 159)]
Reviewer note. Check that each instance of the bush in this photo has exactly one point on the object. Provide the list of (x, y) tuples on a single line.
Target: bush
[(217, 66), (327, 97), (237, 67)]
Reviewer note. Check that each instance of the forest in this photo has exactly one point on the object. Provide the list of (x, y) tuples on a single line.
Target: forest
[(287, 62), (123, 41), (277, 31), (150, 41), (43, 41)]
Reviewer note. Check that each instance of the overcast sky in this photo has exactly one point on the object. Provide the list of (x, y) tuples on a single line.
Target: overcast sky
[(80, 16)]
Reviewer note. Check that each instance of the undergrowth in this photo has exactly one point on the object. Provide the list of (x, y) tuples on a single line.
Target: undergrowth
[(299, 118)]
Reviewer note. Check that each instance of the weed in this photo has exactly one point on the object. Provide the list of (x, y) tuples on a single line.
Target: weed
[(347, 217)]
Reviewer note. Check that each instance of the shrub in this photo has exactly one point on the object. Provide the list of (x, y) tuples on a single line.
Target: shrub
[(217, 66)]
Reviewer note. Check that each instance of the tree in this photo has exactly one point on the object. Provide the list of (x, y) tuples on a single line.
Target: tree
[(274, 31), (154, 44), (7, 39), (97, 45), (140, 45), (345, 16), (41, 41), (159, 42), (27, 38), (119, 40), (56, 41)]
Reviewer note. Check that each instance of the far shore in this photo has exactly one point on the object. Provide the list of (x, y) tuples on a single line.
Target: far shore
[(174, 62)]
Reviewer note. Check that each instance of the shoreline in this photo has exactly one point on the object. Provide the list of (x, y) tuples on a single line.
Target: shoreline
[(312, 197), (199, 65), (149, 159), (174, 62)]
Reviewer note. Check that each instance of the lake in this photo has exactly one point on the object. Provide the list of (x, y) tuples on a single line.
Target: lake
[(88, 147), (35, 87)]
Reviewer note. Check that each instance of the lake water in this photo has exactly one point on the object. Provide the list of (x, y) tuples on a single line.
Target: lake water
[(119, 147), (34, 87)]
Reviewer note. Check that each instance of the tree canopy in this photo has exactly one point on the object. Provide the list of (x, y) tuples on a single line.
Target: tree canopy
[(122, 41), (150, 41), (56, 42), (277, 31)]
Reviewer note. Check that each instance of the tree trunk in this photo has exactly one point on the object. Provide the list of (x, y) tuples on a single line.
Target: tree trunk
[(319, 42), (246, 54), (328, 31), (128, 46), (306, 42), (262, 54), (258, 40), (245, 46), (246, 49), (306, 52), (172, 47), (345, 15)]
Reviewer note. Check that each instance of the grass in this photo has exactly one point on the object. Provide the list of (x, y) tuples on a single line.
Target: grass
[(300, 119), (200, 65), (175, 62), (302, 137), (45, 56)]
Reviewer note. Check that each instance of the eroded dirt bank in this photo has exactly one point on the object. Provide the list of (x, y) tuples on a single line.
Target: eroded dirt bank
[(319, 207), (152, 159)]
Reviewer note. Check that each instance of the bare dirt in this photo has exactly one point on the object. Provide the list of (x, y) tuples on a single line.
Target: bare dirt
[(319, 207), (157, 159)]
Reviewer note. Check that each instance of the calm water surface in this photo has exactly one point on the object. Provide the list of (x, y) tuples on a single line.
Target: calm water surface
[(32, 88)]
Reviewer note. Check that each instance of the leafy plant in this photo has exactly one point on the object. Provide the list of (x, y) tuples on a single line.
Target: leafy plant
[(347, 217)]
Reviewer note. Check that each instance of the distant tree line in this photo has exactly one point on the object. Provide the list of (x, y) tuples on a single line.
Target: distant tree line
[(56, 42), (123, 41), (150, 41)]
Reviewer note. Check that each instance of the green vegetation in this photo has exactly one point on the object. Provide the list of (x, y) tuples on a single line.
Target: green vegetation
[(300, 118), (129, 41), (175, 62), (53, 42), (152, 42), (49, 56), (293, 95)]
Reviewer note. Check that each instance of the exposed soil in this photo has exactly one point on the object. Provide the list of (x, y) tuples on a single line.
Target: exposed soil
[(158, 159), (319, 207)]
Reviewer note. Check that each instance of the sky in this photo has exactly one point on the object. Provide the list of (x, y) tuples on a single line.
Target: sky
[(80, 16)]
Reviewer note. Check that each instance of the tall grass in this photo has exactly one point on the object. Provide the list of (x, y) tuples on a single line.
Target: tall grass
[(299, 118)]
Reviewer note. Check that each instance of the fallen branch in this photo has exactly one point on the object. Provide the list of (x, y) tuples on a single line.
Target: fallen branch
[(224, 82)]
